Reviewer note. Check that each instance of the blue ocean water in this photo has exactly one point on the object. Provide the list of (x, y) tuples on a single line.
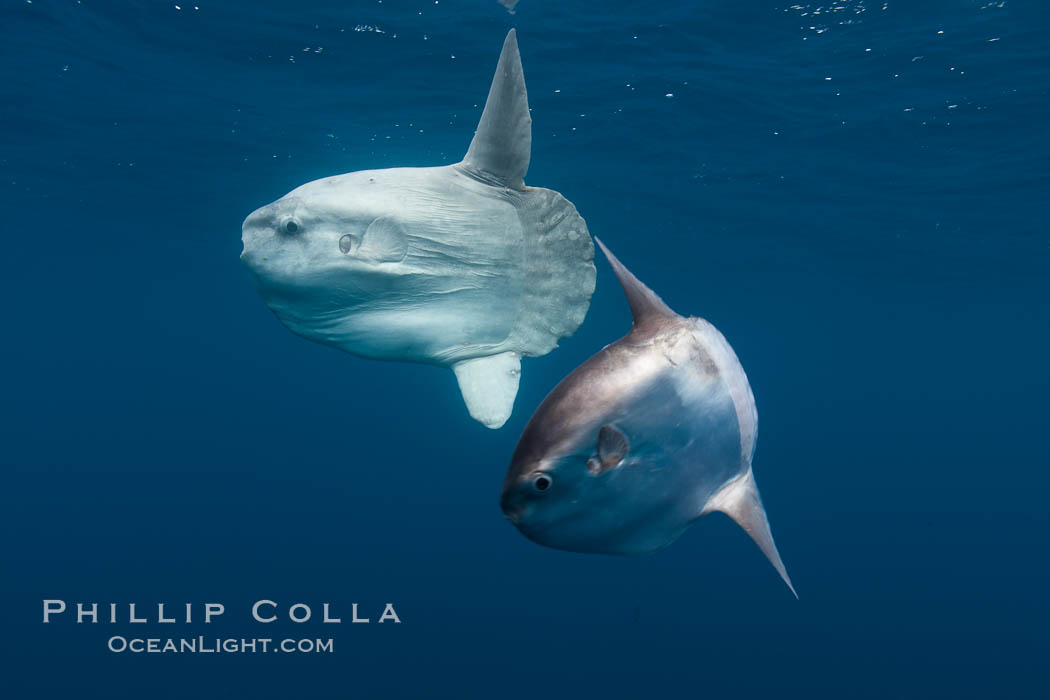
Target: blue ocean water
[(854, 193)]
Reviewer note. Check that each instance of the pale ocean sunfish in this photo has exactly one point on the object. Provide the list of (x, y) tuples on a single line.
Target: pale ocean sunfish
[(460, 266), (641, 440)]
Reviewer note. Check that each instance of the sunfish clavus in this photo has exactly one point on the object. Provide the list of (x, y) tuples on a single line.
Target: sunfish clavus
[(642, 439), (460, 266)]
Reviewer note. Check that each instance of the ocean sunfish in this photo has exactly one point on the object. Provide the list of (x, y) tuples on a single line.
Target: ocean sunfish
[(460, 266), (653, 432)]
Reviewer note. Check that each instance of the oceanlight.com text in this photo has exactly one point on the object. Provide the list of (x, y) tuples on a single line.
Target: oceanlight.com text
[(218, 645)]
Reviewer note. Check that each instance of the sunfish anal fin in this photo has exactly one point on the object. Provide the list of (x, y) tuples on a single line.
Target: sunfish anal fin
[(502, 145), (646, 307), (489, 385), (739, 500)]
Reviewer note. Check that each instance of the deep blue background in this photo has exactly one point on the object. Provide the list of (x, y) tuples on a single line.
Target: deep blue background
[(867, 227)]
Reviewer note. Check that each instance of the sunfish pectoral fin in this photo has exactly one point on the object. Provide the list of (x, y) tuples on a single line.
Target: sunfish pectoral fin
[(739, 500), (646, 306), (385, 240), (502, 145), (612, 446), (489, 385)]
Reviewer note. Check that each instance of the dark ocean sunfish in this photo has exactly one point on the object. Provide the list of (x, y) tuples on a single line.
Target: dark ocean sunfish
[(641, 440), (460, 266)]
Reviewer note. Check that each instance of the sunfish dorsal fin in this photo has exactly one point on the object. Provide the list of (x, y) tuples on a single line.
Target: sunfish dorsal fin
[(489, 385), (739, 500), (646, 306), (502, 144)]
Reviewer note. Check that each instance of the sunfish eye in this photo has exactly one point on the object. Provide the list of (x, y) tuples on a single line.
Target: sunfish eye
[(542, 482), (291, 227)]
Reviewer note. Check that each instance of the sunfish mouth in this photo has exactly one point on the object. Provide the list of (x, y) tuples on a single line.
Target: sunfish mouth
[(511, 511)]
